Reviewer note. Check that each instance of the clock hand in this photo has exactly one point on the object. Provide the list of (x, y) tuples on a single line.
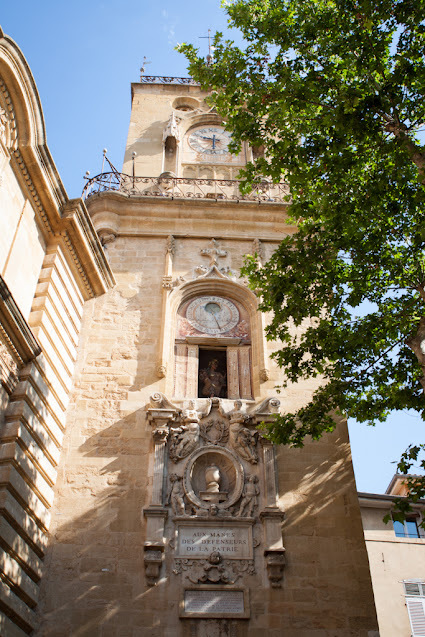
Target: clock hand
[(219, 326)]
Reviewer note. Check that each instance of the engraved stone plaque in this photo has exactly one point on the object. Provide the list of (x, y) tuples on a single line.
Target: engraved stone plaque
[(215, 602), (201, 540)]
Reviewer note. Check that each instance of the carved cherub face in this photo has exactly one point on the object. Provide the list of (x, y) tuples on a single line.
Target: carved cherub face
[(215, 557)]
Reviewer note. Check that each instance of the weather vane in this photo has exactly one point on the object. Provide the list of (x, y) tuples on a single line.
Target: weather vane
[(210, 47), (143, 69)]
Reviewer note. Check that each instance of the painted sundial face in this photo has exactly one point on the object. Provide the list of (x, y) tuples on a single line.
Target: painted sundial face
[(212, 314), (210, 140)]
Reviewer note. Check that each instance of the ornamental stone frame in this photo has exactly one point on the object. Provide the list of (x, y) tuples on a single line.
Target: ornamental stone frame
[(212, 518), (213, 283)]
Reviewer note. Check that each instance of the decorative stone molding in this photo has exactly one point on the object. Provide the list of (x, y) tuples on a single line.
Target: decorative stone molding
[(153, 557), (264, 375), (275, 560), (202, 271), (215, 490), (106, 236), (161, 371), (171, 245), (257, 249), (8, 126), (214, 570), (8, 369), (265, 411), (214, 253), (33, 191), (169, 283), (171, 129)]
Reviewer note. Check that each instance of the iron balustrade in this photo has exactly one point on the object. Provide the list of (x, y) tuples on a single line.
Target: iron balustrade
[(182, 187), (161, 79)]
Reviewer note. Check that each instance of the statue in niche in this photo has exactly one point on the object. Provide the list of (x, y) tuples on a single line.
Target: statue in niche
[(176, 495), (213, 381), (250, 497), (185, 439)]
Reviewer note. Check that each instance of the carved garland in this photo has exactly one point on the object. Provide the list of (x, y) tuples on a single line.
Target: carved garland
[(12, 127)]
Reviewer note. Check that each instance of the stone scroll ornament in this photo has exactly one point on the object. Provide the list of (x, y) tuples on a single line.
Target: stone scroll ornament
[(214, 570)]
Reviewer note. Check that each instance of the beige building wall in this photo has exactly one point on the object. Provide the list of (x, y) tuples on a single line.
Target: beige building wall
[(393, 560)]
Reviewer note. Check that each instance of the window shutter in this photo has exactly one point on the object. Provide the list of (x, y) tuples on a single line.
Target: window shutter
[(412, 588), (416, 608)]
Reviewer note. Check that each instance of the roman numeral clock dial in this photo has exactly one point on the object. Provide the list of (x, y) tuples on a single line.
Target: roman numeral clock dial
[(210, 140)]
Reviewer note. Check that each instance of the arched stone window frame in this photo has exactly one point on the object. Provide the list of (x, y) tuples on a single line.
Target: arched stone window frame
[(214, 284)]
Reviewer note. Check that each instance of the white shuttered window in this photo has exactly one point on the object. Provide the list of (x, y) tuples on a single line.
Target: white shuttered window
[(415, 602)]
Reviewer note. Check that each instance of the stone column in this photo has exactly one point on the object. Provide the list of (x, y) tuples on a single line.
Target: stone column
[(160, 435), (232, 372), (245, 372), (160, 417), (167, 286), (269, 461), (192, 371), (272, 518)]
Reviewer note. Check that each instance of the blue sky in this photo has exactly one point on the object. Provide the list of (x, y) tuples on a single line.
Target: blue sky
[(84, 56)]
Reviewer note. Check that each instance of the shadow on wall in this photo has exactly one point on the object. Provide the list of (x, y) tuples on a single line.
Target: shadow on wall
[(94, 581)]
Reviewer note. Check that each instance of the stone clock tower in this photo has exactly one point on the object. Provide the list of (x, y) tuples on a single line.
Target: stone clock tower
[(173, 515)]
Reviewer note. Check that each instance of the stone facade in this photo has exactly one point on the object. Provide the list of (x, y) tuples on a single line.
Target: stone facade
[(171, 515), (51, 262)]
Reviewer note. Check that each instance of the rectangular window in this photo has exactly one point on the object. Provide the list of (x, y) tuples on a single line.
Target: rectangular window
[(415, 602), (408, 528), (212, 373)]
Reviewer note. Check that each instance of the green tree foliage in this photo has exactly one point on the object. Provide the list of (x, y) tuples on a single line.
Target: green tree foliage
[(333, 91)]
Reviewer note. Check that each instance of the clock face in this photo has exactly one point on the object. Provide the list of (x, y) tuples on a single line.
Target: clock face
[(212, 314), (210, 140)]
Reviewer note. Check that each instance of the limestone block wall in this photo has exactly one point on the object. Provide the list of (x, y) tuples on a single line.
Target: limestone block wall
[(51, 262), (31, 438), (94, 581)]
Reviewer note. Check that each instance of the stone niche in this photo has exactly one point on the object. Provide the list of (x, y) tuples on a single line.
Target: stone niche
[(213, 512)]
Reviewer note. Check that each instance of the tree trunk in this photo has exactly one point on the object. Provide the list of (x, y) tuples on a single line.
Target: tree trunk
[(417, 345)]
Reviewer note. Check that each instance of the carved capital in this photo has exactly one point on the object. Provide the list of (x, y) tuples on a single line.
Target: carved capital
[(171, 245), (275, 560), (167, 282), (160, 434)]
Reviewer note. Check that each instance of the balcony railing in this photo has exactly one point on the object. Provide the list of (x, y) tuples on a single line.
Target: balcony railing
[(162, 79), (184, 188)]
